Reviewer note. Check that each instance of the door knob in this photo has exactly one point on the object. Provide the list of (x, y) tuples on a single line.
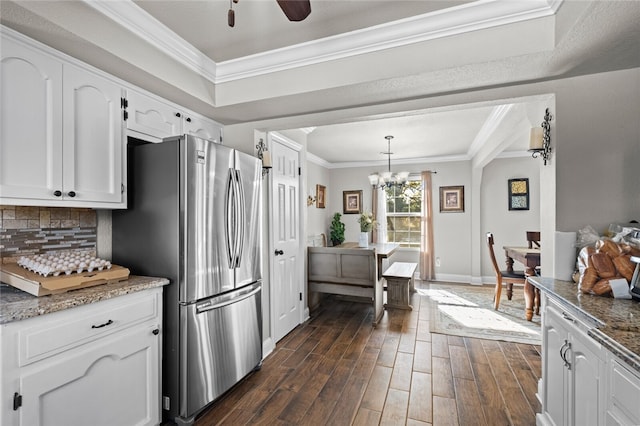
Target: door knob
[(279, 252)]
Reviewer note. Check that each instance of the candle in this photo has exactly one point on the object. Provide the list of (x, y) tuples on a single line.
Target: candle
[(266, 159), (536, 138)]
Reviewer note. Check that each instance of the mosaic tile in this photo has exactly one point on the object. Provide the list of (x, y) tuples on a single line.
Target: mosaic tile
[(33, 230)]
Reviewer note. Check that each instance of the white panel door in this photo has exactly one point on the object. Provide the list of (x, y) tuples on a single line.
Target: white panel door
[(286, 261)]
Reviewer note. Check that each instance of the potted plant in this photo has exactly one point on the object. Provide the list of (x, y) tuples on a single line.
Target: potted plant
[(367, 222), (336, 234)]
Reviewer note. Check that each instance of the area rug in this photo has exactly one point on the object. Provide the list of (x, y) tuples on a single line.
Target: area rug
[(467, 310)]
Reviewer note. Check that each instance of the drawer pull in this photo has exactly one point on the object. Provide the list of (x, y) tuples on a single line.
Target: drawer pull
[(103, 325)]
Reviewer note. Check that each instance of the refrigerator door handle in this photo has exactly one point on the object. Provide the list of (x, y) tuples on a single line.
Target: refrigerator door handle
[(241, 212), (229, 218), (231, 300)]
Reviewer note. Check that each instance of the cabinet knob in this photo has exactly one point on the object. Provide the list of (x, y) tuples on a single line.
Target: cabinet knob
[(188, 119), (178, 115), (57, 193), (156, 332), (71, 194)]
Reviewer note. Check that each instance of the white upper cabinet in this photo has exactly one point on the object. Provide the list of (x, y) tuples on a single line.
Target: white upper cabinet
[(202, 127), (152, 120), (150, 117), (93, 142), (62, 132), (31, 123)]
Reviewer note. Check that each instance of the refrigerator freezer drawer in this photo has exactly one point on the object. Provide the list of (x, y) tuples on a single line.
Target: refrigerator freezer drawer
[(223, 344)]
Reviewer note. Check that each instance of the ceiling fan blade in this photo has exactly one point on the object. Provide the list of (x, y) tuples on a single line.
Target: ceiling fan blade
[(295, 10)]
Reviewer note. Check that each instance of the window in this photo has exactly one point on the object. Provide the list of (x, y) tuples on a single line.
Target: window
[(404, 213)]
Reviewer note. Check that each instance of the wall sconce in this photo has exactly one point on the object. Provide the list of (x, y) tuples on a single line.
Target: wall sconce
[(540, 142), (265, 156)]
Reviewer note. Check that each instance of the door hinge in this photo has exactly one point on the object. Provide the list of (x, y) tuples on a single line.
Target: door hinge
[(17, 401), (299, 171), (166, 403), (124, 104), (301, 296), (122, 188)]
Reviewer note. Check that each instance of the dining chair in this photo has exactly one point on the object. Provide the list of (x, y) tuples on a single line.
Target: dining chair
[(507, 277), (533, 239)]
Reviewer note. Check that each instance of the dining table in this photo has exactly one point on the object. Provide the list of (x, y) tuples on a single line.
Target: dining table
[(383, 251), (530, 258)]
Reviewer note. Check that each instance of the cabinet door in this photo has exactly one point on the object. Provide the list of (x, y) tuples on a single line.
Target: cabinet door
[(623, 395), (586, 373), (114, 381), (201, 127), (93, 138), (151, 117), (30, 124), (555, 339)]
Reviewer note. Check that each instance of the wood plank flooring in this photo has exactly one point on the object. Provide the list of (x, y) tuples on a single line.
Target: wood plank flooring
[(336, 369)]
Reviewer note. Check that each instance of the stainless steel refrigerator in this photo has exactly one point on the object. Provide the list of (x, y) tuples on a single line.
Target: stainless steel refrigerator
[(194, 217)]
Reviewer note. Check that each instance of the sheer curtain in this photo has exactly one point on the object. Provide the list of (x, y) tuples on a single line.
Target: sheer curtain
[(380, 213), (427, 267)]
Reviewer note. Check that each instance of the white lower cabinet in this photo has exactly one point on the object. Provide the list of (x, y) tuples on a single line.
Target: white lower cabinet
[(572, 371), (623, 395), (98, 364)]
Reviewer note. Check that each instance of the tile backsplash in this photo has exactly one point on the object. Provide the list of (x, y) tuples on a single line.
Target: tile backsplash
[(35, 230)]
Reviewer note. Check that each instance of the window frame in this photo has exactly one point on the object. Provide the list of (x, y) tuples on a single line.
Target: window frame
[(405, 245)]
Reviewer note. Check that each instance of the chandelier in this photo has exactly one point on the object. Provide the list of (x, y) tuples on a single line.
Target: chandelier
[(388, 179)]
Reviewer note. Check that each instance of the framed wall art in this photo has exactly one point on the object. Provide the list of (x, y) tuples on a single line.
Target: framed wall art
[(351, 202), (451, 199), (321, 192), (519, 194)]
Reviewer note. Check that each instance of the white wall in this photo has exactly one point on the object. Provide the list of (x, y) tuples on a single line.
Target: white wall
[(508, 227), (451, 230), (598, 150), (318, 219)]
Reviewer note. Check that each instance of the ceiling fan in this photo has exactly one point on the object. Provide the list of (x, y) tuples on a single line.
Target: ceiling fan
[(294, 10)]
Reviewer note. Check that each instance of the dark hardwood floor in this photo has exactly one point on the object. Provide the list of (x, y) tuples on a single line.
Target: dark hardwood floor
[(336, 369)]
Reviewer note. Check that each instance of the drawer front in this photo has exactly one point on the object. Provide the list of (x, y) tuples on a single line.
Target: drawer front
[(60, 331)]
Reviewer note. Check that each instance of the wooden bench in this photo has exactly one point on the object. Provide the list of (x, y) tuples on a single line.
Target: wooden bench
[(400, 284), (347, 272)]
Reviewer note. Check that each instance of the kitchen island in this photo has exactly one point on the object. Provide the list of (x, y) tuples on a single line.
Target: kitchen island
[(87, 356), (590, 357)]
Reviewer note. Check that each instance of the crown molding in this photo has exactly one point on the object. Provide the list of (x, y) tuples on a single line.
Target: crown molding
[(461, 19), (496, 117), (143, 25), (422, 160), (312, 158), (448, 22), (279, 137)]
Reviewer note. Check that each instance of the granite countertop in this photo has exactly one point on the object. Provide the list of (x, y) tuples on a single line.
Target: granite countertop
[(615, 322), (16, 305)]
